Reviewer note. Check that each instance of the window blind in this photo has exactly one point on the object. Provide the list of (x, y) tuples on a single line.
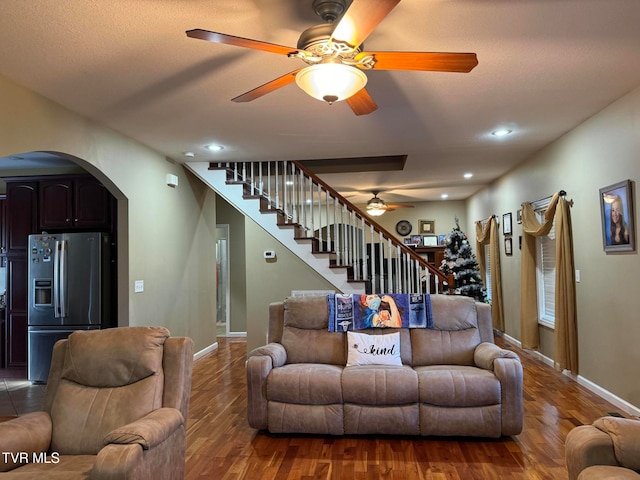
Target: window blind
[(546, 273)]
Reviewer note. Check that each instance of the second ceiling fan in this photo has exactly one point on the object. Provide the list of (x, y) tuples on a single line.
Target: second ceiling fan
[(334, 56), (377, 206)]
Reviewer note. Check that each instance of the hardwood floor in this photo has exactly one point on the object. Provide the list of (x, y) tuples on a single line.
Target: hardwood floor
[(221, 445)]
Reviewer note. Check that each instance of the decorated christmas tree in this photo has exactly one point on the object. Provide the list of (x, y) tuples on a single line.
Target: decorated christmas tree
[(460, 261)]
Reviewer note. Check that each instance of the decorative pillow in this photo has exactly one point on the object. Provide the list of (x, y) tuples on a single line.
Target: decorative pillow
[(373, 349)]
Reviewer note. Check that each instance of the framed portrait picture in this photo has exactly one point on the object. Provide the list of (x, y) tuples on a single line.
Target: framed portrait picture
[(416, 240), (508, 246), (506, 224), (426, 227), (616, 211)]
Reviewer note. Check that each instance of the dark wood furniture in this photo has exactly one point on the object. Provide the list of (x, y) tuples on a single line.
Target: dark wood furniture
[(54, 203), (73, 203), (433, 255)]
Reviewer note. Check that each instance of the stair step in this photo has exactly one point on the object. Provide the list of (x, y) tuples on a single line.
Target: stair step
[(273, 210)]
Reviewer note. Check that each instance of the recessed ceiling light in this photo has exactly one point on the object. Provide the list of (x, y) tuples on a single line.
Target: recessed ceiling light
[(444, 196), (468, 175), (214, 148), (189, 154), (501, 132)]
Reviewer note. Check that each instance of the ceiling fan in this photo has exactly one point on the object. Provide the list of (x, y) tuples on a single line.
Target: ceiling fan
[(377, 206), (335, 58)]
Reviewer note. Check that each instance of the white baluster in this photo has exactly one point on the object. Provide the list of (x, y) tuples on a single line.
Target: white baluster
[(312, 208), (320, 223), (337, 234), (269, 185), (327, 233)]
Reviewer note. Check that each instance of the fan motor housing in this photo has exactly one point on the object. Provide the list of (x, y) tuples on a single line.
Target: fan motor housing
[(317, 34), (316, 40)]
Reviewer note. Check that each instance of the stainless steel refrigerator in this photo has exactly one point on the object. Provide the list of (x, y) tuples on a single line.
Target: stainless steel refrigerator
[(68, 289)]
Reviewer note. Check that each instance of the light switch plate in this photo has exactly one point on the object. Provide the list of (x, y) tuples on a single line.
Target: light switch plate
[(138, 286)]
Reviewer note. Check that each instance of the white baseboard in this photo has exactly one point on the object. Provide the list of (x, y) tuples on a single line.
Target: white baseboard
[(236, 334), (628, 408), (211, 348)]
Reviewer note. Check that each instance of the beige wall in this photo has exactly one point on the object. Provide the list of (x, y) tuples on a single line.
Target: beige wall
[(271, 281), (166, 236), (602, 151), (443, 212)]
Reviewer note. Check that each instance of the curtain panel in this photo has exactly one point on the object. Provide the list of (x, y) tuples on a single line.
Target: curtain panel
[(489, 235), (566, 346)]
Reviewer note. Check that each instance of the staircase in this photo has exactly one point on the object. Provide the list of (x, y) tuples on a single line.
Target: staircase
[(333, 236)]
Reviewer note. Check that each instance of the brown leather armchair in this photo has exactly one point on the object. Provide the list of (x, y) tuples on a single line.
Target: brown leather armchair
[(115, 407), (610, 448)]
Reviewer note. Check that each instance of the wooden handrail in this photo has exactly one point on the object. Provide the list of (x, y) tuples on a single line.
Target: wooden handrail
[(445, 278)]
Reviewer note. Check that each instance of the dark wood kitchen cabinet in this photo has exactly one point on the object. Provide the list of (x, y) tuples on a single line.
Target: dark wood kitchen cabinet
[(16, 312), (22, 215), (74, 202), (20, 221)]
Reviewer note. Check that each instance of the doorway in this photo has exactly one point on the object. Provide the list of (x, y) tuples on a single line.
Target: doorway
[(223, 290)]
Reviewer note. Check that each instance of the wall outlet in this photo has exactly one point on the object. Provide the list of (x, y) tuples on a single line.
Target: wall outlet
[(138, 286)]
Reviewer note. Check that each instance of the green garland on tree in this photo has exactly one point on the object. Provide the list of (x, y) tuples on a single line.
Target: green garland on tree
[(460, 261)]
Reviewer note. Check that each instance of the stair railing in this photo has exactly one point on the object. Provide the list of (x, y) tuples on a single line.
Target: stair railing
[(336, 227)]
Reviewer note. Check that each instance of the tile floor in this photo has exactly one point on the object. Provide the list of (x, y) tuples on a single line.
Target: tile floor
[(19, 396)]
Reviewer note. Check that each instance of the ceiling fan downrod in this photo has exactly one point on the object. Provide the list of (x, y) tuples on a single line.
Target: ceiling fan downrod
[(329, 10)]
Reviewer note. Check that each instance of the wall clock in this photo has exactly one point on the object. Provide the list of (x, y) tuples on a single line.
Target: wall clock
[(403, 227)]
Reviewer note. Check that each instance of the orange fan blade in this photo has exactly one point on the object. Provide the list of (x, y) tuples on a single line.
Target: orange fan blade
[(268, 87), (360, 19), (425, 61), (393, 207), (361, 103), (239, 41)]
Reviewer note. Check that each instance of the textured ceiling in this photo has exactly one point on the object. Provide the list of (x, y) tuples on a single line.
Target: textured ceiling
[(544, 67)]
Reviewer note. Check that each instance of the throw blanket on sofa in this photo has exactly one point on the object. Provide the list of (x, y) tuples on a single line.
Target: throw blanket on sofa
[(382, 310)]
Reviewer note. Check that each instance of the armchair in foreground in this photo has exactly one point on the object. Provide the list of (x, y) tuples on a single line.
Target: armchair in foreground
[(115, 408), (610, 448)]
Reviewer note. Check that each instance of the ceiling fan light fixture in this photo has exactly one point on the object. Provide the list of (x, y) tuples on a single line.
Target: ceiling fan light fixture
[(375, 211), (376, 206), (331, 82)]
